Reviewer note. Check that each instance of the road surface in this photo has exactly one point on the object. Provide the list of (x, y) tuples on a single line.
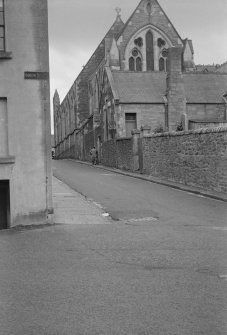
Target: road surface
[(167, 249)]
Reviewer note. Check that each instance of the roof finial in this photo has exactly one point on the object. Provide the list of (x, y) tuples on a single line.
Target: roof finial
[(118, 10)]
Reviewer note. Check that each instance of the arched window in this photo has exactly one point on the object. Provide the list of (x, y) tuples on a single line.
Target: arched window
[(138, 64), (135, 61), (131, 64), (161, 64), (163, 61), (150, 51)]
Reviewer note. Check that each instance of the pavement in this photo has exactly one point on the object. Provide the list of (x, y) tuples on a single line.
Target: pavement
[(70, 207), (188, 188)]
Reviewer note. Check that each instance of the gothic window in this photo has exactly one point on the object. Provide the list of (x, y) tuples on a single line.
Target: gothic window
[(2, 26), (150, 51), (163, 61), (135, 61), (131, 64), (161, 64), (138, 64)]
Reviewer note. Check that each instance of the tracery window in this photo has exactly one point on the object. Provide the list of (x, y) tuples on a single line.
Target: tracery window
[(2, 26), (150, 51), (135, 61), (163, 61)]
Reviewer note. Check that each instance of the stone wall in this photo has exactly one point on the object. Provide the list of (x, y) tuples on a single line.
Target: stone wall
[(118, 153), (125, 153), (196, 158), (205, 111), (109, 153), (88, 144)]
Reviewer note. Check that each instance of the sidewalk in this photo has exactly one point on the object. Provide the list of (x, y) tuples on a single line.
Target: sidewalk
[(186, 188), (71, 207)]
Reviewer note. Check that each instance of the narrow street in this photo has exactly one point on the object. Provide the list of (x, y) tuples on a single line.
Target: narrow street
[(166, 250)]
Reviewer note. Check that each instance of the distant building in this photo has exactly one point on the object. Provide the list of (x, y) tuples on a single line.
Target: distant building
[(25, 147), (141, 74)]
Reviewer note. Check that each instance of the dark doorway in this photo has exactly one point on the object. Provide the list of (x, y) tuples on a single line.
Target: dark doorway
[(4, 204)]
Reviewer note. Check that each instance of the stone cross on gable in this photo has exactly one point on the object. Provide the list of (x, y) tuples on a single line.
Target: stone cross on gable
[(118, 10)]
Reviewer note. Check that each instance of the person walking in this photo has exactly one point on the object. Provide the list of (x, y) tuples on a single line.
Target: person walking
[(93, 154)]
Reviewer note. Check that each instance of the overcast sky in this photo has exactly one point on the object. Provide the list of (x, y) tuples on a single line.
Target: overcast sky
[(76, 27)]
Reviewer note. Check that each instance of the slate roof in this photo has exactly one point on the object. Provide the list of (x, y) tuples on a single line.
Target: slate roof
[(205, 88), (140, 87), (150, 87)]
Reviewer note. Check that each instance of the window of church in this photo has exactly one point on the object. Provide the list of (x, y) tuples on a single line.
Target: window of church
[(2, 26), (150, 51), (138, 64), (139, 42), (164, 53), (131, 64), (135, 61), (161, 64)]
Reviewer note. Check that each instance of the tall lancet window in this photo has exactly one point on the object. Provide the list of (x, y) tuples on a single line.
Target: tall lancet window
[(2, 26), (150, 51)]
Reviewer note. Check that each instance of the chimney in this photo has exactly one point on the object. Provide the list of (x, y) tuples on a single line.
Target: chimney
[(175, 88)]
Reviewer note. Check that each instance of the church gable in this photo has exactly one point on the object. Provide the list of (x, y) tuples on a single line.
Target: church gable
[(149, 31)]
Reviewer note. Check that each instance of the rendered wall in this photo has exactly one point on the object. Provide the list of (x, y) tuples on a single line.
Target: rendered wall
[(28, 162)]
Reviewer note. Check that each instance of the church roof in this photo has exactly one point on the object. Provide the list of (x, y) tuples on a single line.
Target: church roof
[(205, 87), (150, 87), (140, 87)]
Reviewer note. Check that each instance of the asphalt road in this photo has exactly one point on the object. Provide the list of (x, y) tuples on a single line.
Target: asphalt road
[(161, 267)]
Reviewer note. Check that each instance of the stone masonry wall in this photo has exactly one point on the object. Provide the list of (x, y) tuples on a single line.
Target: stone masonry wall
[(118, 153), (196, 158), (125, 154), (109, 153)]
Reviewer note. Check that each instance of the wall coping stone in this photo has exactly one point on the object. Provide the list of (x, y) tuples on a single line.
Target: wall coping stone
[(189, 132), (123, 138)]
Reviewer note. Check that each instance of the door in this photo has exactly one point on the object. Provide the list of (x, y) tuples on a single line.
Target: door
[(130, 123), (4, 204)]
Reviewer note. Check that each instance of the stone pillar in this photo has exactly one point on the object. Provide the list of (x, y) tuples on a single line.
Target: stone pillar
[(135, 149), (175, 87), (145, 130)]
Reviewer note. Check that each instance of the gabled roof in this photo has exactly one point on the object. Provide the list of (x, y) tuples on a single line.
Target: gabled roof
[(205, 87), (139, 87), (131, 16), (150, 87)]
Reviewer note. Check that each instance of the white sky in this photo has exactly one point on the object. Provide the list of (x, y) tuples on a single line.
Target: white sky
[(76, 27)]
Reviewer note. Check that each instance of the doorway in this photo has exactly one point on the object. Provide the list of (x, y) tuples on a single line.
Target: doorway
[(4, 204)]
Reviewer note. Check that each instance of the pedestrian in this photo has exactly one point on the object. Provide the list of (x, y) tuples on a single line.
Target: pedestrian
[(93, 154)]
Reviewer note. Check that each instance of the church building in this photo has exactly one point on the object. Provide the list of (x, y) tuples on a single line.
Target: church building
[(142, 74)]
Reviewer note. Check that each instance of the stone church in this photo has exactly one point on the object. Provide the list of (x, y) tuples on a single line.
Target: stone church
[(142, 74)]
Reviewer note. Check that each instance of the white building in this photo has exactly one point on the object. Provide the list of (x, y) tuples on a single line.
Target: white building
[(25, 142)]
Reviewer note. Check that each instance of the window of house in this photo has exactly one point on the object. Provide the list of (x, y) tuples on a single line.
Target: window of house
[(130, 123), (2, 26), (135, 61)]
